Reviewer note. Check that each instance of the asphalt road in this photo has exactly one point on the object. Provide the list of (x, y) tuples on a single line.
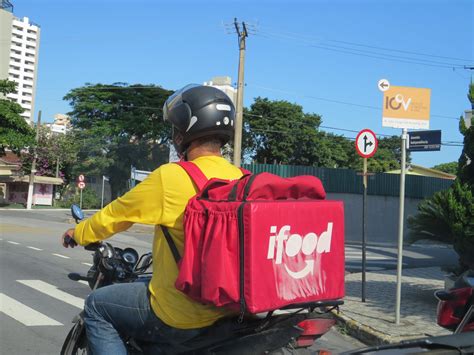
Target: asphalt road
[(38, 301)]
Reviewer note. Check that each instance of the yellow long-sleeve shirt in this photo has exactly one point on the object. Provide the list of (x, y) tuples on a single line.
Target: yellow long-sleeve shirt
[(161, 200)]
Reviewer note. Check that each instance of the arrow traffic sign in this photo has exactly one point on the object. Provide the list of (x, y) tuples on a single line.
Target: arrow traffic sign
[(366, 143), (383, 85)]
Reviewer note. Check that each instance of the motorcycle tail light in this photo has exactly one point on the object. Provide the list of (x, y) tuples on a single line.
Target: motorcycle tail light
[(313, 329), (451, 311)]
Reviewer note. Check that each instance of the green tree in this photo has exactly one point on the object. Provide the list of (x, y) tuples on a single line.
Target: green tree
[(448, 216), (118, 126), (466, 160), (54, 151), (450, 168), (15, 133), (279, 131)]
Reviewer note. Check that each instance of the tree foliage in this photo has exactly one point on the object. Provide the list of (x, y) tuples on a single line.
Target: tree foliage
[(15, 133), (448, 216), (466, 160), (52, 149), (118, 126), (279, 131), (450, 168)]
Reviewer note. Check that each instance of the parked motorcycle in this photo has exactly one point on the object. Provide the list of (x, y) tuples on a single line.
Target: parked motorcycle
[(273, 333), (456, 306)]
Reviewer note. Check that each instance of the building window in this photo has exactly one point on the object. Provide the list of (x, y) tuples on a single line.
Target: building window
[(16, 43), (29, 55), (15, 60), (30, 47), (28, 70), (32, 31), (30, 39), (17, 36), (26, 86), (14, 67), (26, 102), (14, 76), (28, 78), (27, 62), (16, 52)]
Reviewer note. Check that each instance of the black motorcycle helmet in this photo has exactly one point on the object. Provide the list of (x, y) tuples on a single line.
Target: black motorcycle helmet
[(198, 111)]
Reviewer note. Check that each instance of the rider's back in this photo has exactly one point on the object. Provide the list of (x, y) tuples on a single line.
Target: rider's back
[(172, 306), (161, 200)]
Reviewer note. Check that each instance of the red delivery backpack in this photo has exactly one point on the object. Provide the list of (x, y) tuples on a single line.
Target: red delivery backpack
[(260, 243)]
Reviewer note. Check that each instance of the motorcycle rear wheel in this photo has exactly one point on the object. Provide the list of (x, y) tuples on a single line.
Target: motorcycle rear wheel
[(76, 341)]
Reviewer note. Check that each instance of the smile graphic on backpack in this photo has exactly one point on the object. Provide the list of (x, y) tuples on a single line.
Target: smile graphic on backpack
[(293, 244)]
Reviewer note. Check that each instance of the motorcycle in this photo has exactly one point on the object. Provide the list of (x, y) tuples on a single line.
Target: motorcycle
[(279, 332), (456, 306)]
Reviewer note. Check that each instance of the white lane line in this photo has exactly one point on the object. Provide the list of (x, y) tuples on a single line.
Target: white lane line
[(53, 291), (87, 264), (61, 256), (35, 248), (14, 243), (24, 314), (83, 282)]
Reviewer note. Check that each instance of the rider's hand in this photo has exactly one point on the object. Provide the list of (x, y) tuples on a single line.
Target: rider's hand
[(67, 239)]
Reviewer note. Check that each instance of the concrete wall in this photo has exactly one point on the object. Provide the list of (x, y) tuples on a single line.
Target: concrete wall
[(382, 217), (6, 19)]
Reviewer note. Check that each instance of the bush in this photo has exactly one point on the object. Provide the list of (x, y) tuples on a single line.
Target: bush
[(71, 195), (448, 217)]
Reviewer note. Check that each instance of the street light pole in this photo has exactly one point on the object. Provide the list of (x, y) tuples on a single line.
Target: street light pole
[(240, 94), (29, 201)]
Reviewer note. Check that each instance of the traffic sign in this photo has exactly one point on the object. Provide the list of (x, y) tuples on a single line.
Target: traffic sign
[(81, 184), (383, 85), (81, 178), (366, 143), (424, 141)]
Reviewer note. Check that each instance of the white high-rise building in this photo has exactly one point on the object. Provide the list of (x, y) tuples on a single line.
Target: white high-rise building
[(19, 48)]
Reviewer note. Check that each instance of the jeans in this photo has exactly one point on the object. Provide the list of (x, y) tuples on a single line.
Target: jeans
[(120, 311)]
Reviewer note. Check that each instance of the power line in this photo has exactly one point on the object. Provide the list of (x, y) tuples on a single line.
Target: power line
[(365, 53), (333, 101), (372, 46)]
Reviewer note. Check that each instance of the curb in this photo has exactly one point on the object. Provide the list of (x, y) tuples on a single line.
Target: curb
[(364, 333)]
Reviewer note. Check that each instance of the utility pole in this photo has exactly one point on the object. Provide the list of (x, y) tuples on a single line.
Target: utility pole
[(33, 165), (241, 35)]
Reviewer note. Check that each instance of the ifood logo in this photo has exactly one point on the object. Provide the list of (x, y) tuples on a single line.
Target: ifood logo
[(293, 244)]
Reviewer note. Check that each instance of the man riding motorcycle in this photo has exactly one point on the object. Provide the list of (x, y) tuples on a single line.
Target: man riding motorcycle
[(202, 120)]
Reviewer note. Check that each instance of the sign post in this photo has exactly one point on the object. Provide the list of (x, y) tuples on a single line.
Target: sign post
[(366, 146), (404, 107), (81, 185)]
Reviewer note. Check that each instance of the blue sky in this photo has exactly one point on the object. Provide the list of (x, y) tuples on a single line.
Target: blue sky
[(300, 51)]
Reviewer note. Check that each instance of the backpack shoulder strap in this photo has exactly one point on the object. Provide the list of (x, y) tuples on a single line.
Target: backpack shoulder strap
[(196, 175), (172, 245), (245, 171)]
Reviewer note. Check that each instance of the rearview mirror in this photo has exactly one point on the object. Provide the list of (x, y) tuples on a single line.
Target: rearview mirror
[(77, 213)]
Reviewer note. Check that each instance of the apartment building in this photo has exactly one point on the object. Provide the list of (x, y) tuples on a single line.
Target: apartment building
[(20, 39)]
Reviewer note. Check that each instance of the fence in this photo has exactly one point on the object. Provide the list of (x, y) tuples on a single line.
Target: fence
[(347, 181)]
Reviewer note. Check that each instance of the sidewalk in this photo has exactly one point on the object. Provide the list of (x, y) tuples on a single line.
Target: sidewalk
[(373, 322)]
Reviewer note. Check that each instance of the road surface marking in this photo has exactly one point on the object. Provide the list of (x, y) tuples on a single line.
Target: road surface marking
[(35, 248), (24, 314), (53, 291), (87, 264), (61, 256), (14, 243), (84, 282)]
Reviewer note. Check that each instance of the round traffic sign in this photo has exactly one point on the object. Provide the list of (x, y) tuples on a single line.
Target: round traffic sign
[(383, 85), (81, 184), (81, 178), (366, 143)]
